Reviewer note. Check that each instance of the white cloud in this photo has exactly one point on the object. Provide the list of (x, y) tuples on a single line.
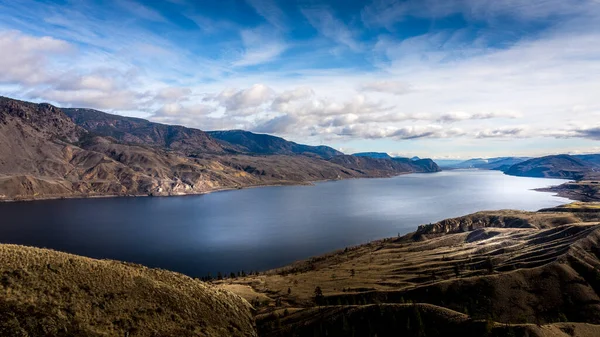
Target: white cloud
[(29, 60), (242, 100), (142, 11), (260, 47), (386, 13), (456, 116), (391, 87), (173, 94), (269, 10), (331, 27), (466, 85)]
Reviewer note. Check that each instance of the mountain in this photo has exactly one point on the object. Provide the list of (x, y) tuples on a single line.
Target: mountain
[(471, 163), (556, 166), (498, 163), (139, 131), (447, 163), (256, 143), (415, 158), (48, 293), (385, 167), (44, 154), (493, 273), (376, 155), (591, 158), (501, 163)]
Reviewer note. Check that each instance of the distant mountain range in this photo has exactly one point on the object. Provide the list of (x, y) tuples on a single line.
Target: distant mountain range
[(558, 166), (48, 152), (498, 163)]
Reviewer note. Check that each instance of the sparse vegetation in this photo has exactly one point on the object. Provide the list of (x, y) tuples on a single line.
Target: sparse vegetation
[(504, 266), (47, 293)]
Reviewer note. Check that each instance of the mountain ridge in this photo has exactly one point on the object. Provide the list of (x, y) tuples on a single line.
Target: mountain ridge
[(46, 155), (258, 143)]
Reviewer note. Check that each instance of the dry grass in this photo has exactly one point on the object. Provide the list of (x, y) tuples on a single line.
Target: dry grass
[(545, 270), (43, 292)]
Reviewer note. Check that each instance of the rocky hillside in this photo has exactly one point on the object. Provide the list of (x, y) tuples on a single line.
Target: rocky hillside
[(47, 293), (139, 131), (46, 155), (250, 142), (385, 167), (558, 166), (501, 273)]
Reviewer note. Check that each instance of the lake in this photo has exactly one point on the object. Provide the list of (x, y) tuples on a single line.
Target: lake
[(262, 228)]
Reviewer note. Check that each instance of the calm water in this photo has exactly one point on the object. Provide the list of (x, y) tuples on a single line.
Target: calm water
[(262, 228)]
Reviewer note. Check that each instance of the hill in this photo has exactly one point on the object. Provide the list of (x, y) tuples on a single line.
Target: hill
[(556, 166), (129, 130), (491, 273), (498, 163), (250, 142), (591, 158), (46, 155), (47, 293), (385, 167)]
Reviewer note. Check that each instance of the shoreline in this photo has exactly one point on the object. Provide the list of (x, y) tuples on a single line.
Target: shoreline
[(275, 184), (559, 190)]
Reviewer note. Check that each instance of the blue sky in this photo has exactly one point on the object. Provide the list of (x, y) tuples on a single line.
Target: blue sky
[(464, 78)]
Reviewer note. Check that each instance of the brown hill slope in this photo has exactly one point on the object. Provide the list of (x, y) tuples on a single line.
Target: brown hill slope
[(510, 267), (45, 155), (250, 142), (383, 166), (47, 293), (139, 131), (418, 320)]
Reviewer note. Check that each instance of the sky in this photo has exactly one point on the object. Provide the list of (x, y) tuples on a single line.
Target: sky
[(432, 78)]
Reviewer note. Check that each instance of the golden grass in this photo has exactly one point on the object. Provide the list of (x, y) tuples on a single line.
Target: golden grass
[(583, 205), (44, 292), (546, 268)]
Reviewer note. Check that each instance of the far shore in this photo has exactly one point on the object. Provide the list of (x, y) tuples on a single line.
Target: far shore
[(164, 195)]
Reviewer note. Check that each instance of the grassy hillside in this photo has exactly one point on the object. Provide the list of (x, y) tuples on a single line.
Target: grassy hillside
[(524, 273), (47, 293)]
